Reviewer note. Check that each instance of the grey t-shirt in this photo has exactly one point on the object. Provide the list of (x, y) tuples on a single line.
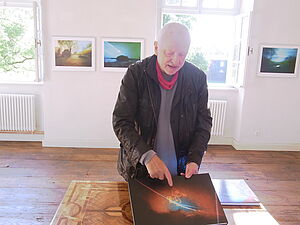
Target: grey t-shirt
[(164, 143)]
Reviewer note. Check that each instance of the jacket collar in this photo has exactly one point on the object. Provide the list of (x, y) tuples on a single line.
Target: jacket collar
[(151, 68), (183, 84)]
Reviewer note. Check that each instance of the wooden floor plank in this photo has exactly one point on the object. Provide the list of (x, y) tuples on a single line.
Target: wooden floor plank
[(34, 179)]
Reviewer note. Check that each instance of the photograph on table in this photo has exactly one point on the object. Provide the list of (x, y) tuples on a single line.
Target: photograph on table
[(189, 201), (118, 54), (74, 54), (278, 61)]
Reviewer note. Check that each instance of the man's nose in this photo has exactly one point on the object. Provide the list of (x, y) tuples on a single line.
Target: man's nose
[(176, 59)]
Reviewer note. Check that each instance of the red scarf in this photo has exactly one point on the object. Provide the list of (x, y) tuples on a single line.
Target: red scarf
[(168, 85)]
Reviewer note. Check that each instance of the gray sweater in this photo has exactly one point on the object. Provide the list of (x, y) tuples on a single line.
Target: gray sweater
[(164, 143)]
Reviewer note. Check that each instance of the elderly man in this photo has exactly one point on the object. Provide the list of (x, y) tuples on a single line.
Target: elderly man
[(161, 116)]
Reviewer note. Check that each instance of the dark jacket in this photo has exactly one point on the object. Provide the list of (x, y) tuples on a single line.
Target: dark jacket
[(137, 108)]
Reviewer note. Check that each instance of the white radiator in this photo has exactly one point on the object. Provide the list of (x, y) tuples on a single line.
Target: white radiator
[(218, 113), (17, 112)]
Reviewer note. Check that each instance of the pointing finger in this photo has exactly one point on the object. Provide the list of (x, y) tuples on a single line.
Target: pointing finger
[(169, 177)]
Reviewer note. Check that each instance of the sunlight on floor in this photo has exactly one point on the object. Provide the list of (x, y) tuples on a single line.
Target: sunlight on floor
[(249, 217)]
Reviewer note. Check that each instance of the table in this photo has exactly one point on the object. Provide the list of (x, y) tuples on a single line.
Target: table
[(103, 202)]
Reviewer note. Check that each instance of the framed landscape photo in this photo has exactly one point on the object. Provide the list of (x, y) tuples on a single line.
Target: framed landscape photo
[(278, 61), (118, 54), (74, 54)]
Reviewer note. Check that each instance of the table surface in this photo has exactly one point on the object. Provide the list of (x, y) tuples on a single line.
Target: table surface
[(102, 202)]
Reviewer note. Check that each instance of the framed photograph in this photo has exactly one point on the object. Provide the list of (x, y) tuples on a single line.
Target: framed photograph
[(278, 61), (118, 54), (74, 53)]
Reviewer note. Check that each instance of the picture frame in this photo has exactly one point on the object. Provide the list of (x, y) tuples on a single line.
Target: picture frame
[(119, 53), (73, 53), (278, 61)]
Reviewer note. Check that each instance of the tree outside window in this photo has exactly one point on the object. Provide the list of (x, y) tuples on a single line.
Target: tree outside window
[(17, 44), (212, 42)]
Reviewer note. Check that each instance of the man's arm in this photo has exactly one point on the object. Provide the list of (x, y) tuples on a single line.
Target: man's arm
[(124, 118), (203, 126), (124, 127)]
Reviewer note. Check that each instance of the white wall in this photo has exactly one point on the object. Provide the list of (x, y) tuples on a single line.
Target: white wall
[(231, 96), (78, 105), (271, 106)]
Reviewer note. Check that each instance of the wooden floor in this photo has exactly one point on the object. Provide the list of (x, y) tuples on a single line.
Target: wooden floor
[(34, 179)]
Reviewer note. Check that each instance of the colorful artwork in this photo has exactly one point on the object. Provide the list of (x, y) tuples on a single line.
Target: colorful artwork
[(278, 61), (235, 192), (94, 202), (74, 53), (118, 54), (189, 201)]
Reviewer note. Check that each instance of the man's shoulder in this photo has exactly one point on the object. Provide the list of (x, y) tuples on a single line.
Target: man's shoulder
[(193, 71), (190, 67), (141, 64), (136, 71)]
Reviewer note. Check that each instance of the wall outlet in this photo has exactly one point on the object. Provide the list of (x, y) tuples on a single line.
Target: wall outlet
[(257, 133)]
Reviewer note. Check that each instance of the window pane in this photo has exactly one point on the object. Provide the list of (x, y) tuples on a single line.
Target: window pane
[(187, 20), (17, 49), (210, 3), (222, 4), (226, 4), (173, 2), (214, 35), (217, 71), (189, 3), (212, 38)]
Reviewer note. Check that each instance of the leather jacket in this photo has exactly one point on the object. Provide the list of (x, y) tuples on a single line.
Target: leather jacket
[(136, 113)]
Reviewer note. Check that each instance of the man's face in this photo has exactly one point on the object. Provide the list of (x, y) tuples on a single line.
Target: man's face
[(171, 55)]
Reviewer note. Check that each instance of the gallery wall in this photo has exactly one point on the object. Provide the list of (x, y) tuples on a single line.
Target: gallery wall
[(75, 107), (271, 105), (78, 105)]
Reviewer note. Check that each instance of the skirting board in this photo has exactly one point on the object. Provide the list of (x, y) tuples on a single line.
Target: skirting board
[(79, 143), (266, 146), (98, 143), (21, 137), (220, 140)]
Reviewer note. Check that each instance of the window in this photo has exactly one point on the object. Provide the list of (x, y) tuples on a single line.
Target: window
[(182, 3), (20, 41), (218, 36), (219, 4)]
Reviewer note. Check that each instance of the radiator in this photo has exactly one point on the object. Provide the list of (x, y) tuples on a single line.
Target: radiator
[(17, 112), (218, 113)]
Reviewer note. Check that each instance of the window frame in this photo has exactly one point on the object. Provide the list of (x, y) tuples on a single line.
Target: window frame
[(36, 7), (232, 80), (200, 9)]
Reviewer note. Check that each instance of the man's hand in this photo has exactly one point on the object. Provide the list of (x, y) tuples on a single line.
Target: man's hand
[(157, 169), (191, 168)]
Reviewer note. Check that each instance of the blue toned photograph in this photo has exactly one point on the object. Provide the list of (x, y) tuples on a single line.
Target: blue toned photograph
[(278, 60), (121, 53)]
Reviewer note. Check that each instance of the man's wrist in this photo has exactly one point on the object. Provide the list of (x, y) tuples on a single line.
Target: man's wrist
[(146, 157)]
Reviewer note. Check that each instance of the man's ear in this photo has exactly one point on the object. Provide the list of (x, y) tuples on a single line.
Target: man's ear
[(156, 47)]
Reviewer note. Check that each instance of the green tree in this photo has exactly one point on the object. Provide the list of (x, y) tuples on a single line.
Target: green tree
[(187, 20), (196, 57), (67, 44), (13, 54)]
